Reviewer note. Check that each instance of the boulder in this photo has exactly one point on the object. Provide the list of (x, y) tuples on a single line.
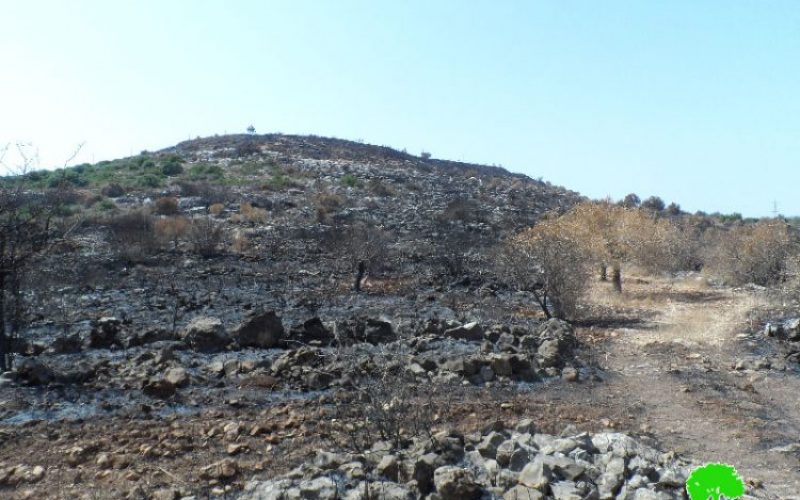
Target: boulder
[(177, 376), (522, 492), (791, 329), (370, 330), (321, 488), (308, 332), (34, 372), (205, 334), (159, 388), (455, 483), (472, 332), (262, 329), (536, 474), (105, 333), (67, 344)]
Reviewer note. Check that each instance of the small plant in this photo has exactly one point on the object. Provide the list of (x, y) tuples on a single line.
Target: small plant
[(107, 204), (350, 180)]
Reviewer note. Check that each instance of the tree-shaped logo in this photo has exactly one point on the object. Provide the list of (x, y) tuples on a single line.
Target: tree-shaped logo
[(714, 481)]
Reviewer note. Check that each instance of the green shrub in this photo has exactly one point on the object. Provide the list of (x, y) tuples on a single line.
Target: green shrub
[(205, 171), (149, 181), (350, 180), (171, 169), (107, 205)]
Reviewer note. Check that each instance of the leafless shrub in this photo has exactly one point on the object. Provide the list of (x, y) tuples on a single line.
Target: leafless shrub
[(206, 237), (385, 401), (361, 247), (462, 210)]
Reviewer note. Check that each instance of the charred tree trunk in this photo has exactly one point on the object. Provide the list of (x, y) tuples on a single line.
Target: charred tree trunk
[(4, 343), (362, 269), (603, 272), (616, 278), (541, 298)]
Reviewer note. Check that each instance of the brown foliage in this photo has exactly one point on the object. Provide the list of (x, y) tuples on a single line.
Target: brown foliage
[(131, 235), (549, 262), (752, 253), (172, 229), (167, 205)]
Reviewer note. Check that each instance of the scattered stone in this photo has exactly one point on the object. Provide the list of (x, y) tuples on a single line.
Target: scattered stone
[(262, 329), (205, 334)]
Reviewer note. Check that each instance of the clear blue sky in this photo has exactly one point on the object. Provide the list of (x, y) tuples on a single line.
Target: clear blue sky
[(696, 101)]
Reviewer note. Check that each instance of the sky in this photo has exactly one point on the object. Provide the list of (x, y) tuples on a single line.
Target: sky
[(695, 101)]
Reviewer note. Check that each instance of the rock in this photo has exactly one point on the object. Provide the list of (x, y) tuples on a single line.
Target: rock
[(34, 372), (470, 331), (522, 492), (536, 474), (791, 329), (68, 344), (151, 336), (525, 426), (608, 485), (378, 331), (177, 376), (159, 388), (501, 364), (224, 469), (372, 331), (565, 490), (455, 483), (266, 490), (505, 450), (262, 329), (379, 490), (569, 374), (326, 460), (321, 488), (423, 470), (488, 446), (388, 467), (549, 353), (105, 333), (312, 331), (519, 459), (557, 338), (205, 334)]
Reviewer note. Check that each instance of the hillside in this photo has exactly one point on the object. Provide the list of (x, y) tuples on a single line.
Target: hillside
[(279, 316)]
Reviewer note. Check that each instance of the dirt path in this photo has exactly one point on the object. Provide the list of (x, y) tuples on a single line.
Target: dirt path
[(673, 374)]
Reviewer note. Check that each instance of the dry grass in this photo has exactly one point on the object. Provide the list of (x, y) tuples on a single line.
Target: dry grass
[(683, 310)]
